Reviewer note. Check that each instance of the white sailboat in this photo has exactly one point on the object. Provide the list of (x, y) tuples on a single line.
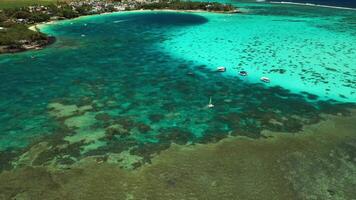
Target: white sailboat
[(210, 105)]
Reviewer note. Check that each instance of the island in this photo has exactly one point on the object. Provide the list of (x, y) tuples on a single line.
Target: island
[(16, 36)]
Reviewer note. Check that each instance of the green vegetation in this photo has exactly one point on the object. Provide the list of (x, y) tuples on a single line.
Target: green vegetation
[(44, 15), (22, 3), (189, 5), (14, 22), (17, 15), (17, 34)]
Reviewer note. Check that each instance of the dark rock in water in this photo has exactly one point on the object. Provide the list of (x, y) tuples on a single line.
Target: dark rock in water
[(281, 71), (72, 150), (109, 136), (137, 165), (246, 133), (125, 122), (292, 125), (156, 117), (273, 125), (46, 156), (231, 119), (331, 69), (312, 97), (5, 159), (148, 149), (301, 107), (174, 135), (213, 136), (56, 138), (66, 161), (115, 130), (85, 101), (342, 96), (113, 146), (143, 128), (103, 117), (169, 106), (334, 109)]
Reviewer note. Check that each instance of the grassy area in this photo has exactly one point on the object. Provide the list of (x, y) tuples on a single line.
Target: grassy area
[(21, 3), (18, 32)]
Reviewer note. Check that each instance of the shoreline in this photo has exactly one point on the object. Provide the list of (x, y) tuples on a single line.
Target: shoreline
[(51, 39), (34, 45), (36, 27)]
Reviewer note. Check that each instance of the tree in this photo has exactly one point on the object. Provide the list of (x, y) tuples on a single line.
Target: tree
[(3, 17), (39, 17), (21, 14)]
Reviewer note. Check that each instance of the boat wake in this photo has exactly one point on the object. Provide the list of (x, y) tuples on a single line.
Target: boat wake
[(311, 4), (119, 21)]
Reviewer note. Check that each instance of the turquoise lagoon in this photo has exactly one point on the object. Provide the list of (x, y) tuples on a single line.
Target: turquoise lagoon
[(138, 81), (299, 52)]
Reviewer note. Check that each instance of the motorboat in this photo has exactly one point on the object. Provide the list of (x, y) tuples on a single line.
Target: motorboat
[(221, 69), (243, 73), (265, 79)]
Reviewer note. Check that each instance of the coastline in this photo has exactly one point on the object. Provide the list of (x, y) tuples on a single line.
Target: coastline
[(37, 27), (38, 45), (33, 45)]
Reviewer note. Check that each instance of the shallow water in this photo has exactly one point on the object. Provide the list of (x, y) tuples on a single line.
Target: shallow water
[(315, 54), (318, 163), (338, 3), (130, 84)]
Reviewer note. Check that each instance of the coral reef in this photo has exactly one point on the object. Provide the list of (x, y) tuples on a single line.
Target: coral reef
[(317, 163)]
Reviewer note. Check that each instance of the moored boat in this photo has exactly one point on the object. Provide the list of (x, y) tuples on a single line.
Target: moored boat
[(210, 105), (221, 69), (243, 73), (265, 79)]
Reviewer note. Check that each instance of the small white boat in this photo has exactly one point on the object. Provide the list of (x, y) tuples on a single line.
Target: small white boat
[(190, 73), (243, 73), (210, 105), (221, 69), (265, 79), (83, 35)]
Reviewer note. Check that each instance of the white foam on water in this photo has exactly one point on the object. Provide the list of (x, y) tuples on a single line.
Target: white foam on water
[(311, 4)]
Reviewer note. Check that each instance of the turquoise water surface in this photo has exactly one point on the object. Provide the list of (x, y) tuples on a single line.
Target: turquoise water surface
[(137, 82)]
